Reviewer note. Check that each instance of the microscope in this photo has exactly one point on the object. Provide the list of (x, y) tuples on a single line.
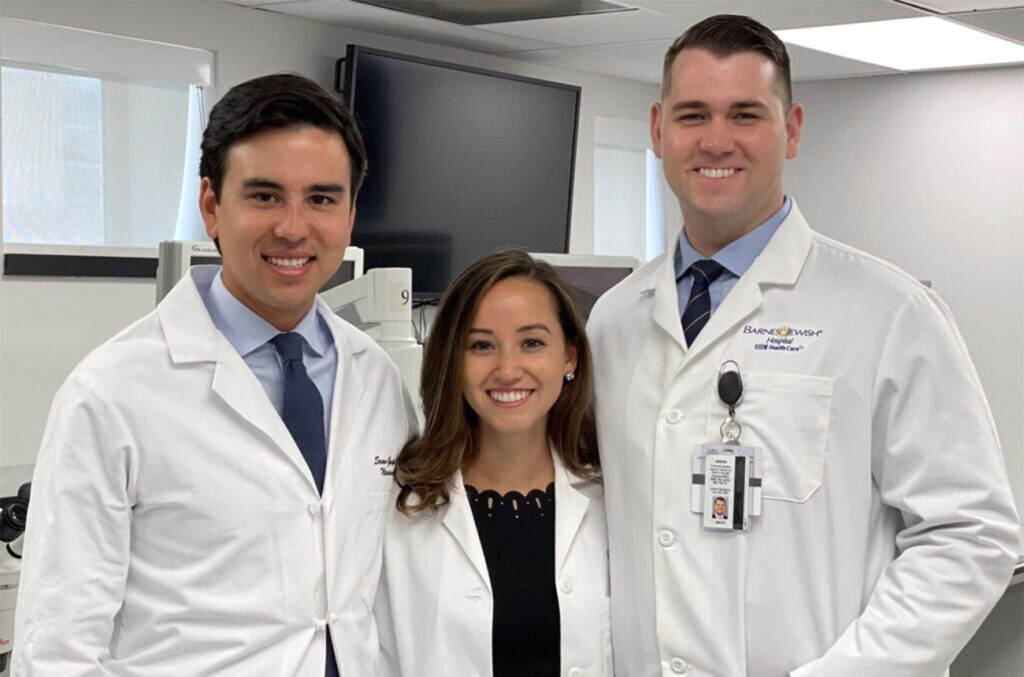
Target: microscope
[(13, 512)]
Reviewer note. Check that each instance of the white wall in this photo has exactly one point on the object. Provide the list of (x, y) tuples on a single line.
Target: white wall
[(927, 171), (47, 326)]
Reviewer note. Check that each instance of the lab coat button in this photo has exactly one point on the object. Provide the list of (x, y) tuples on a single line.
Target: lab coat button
[(575, 672), (565, 585), (679, 666), (666, 538), (333, 618), (673, 416), (314, 507), (321, 623)]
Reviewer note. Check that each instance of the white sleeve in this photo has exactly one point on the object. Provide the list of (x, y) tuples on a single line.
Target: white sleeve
[(936, 458), (77, 540)]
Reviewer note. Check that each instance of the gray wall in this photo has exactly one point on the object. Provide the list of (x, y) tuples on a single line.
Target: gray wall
[(997, 649)]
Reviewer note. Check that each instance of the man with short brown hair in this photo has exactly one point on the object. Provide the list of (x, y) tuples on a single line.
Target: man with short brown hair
[(871, 526), (207, 498)]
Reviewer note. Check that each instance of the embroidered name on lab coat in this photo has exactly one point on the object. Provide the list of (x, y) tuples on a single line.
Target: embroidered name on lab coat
[(783, 338)]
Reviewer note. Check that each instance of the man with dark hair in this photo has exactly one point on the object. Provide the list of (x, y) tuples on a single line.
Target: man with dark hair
[(871, 526), (207, 499), (721, 507)]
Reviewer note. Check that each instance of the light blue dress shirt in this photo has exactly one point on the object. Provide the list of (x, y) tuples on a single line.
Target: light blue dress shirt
[(249, 334), (736, 258)]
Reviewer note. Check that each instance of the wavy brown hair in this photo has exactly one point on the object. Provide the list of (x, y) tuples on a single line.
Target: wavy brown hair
[(449, 443)]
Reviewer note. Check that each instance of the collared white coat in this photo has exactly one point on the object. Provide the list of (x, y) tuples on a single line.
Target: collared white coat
[(435, 606), (888, 529), (175, 528)]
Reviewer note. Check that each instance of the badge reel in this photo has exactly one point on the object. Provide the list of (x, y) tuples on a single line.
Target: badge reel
[(726, 487)]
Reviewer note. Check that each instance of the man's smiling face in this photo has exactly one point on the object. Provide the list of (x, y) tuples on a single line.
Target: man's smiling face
[(723, 134), (283, 219)]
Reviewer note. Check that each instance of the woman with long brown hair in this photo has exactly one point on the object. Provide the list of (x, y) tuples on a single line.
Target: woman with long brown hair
[(495, 557)]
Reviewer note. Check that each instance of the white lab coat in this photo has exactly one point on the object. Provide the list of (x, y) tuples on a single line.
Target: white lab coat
[(175, 528), (434, 609), (888, 530)]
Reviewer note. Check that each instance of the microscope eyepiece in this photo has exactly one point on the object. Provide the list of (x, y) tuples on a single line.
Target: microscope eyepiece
[(14, 514)]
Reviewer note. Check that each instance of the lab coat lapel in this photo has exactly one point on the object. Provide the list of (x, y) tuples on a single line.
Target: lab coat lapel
[(349, 386), (662, 291), (458, 520), (191, 338), (570, 507), (779, 264), (239, 388)]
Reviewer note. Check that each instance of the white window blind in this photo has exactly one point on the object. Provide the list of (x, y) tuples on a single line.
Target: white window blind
[(100, 137)]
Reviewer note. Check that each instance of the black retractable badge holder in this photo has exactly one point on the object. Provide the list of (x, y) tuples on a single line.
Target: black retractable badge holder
[(726, 488)]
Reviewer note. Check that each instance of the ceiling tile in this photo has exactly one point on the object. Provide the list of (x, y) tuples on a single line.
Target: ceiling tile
[(643, 51), (580, 59), (947, 6), (257, 3), (593, 29), (779, 14), (370, 19), (1006, 23)]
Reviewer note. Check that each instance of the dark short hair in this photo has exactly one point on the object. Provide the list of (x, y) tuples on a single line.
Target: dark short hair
[(274, 102), (727, 34), (426, 466)]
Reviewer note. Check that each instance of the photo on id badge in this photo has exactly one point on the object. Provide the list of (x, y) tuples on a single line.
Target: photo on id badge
[(720, 509)]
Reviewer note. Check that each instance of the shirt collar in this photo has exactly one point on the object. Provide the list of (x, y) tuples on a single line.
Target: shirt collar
[(739, 255), (246, 331)]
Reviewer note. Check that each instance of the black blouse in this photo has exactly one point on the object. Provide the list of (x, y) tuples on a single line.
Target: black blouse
[(518, 537)]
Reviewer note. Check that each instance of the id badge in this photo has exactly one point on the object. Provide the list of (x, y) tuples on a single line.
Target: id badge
[(726, 487)]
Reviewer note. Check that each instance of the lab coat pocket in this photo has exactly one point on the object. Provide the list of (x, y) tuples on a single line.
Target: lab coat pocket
[(786, 417), (376, 500)]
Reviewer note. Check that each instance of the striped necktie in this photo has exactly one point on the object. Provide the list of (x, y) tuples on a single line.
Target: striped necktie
[(698, 308)]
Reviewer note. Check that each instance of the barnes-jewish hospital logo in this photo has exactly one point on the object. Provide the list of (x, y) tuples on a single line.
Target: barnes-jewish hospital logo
[(783, 338)]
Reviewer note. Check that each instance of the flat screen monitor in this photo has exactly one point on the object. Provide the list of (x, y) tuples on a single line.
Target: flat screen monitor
[(462, 162), (590, 276)]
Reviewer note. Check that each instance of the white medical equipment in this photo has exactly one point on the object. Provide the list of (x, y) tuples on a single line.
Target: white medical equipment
[(380, 303)]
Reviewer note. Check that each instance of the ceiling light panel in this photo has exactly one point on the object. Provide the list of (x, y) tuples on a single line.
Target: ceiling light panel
[(925, 43)]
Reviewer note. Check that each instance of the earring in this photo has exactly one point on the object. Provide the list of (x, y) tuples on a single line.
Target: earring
[(569, 376)]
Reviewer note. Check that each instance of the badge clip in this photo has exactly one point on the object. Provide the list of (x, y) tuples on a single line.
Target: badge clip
[(726, 486)]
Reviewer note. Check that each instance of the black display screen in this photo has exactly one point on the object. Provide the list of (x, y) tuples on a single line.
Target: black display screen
[(462, 162), (587, 283)]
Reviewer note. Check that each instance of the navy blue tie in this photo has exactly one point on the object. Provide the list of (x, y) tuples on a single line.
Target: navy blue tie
[(303, 415), (303, 411), (698, 308)]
